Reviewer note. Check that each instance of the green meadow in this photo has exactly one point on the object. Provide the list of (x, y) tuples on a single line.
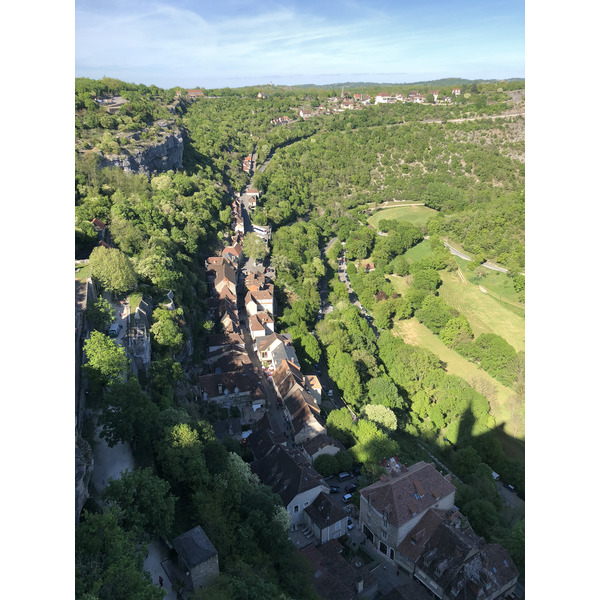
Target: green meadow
[(487, 310), (503, 407), (415, 214)]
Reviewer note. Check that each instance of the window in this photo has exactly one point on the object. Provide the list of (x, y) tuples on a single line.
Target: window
[(296, 508), (384, 535)]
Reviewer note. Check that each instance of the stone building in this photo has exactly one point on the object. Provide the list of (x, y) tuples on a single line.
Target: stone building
[(198, 557)]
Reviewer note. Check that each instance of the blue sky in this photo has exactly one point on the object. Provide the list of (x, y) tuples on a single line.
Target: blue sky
[(235, 43)]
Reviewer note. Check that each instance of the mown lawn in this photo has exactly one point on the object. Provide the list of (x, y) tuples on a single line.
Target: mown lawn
[(421, 250), (417, 215), (486, 311), (507, 413)]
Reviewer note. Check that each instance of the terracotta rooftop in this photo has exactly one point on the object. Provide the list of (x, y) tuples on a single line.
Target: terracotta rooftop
[(264, 343), (410, 492), (98, 224), (285, 376), (313, 382)]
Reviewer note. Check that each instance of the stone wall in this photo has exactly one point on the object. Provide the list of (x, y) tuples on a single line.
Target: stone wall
[(84, 467), (205, 573)]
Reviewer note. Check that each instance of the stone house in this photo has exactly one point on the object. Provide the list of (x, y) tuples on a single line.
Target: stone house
[(219, 341), (304, 416), (275, 348), (392, 506), (260, 301), (237, 388), (198, 557), (289, 474), (315, 387), (456, 563), (321, 444), (255, 282), (261, 324), (233, 253), (326, 519)]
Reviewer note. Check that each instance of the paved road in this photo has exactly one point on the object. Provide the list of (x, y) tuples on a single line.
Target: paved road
[(487, 265)]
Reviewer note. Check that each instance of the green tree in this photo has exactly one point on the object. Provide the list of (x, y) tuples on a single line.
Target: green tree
[(108, 563), (130, 416), (344, 460), (147, 508), (181, 458), (435, 313), (465, 462), (456, 331), (100, 313), (340, 425), (166, 328), (112, 269), (326, 464), (106, 361), (254, 247), (381, 415), (382, 390)]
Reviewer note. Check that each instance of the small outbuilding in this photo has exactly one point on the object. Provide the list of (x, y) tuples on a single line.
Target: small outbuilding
[(197, 556)]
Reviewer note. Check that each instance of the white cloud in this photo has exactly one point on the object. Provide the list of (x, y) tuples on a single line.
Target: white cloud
[(174, 43)]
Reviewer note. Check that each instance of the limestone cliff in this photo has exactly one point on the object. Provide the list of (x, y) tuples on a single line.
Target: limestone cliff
[(84, 467), (141, 156)]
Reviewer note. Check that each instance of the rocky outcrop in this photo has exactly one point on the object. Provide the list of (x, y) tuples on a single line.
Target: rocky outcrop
[(148, 158), (84, 467)]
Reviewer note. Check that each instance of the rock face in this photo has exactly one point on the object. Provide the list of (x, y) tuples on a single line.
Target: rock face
[(84, 467), (148, 159)]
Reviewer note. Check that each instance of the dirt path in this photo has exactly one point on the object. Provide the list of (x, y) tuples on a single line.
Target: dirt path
[(108, 462)]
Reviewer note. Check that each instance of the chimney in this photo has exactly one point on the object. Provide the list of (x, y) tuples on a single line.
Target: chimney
[(360, 585)]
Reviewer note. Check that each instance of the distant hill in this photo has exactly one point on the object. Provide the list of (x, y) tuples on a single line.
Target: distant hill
[(448, 81)]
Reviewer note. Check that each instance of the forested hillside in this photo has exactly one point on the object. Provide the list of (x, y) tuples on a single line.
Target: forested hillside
[(324, 176)]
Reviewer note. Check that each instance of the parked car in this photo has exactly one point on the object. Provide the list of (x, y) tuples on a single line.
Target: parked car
[(350, 524), (334, 489), (350, 488), (330, 393), (347, 498), (344, 475)]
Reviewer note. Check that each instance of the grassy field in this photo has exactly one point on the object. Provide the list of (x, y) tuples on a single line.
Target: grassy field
[(417, 215), (487, 312), (421, 250), (495, 282), (505, 410), (82, 272), (400, 283)]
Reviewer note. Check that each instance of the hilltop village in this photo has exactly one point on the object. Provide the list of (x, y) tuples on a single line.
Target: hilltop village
[(239, 405)]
